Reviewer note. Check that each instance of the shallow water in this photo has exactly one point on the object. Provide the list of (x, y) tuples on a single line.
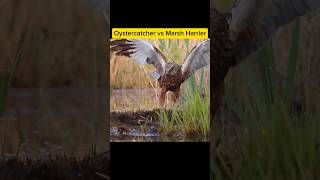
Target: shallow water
[(142, 126), (133, 134), (134, 117)]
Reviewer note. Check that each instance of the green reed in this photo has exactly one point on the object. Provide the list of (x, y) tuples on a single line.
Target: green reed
[(274, 139)]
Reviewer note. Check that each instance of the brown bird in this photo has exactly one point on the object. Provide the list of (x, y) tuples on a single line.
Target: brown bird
[(169, 74), (235, 35)]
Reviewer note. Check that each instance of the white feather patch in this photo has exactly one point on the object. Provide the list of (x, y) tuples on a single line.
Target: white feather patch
[(142, 51), (155, 75)]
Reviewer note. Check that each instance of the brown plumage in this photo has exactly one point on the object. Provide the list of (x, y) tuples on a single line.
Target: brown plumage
[(169, 74), (171, 80)]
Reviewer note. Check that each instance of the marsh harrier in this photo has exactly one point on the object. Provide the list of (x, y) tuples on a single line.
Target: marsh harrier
[(169, 74)]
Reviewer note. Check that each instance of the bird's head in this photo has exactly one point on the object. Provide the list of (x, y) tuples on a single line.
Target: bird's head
[(172, 68)]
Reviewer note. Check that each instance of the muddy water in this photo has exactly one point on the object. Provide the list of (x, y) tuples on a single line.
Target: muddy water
[(135, 126), (142, 126), (55, 121), (134, 117)]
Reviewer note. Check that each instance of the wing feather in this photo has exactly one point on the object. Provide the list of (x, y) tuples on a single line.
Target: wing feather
[(140, 51), (198, 58)]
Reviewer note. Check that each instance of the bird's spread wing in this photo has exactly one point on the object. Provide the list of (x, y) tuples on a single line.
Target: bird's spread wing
[(197, 59), (254, 21), (140, 51)]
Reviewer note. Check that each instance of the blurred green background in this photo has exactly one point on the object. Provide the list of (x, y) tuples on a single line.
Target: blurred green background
[(269, 127)]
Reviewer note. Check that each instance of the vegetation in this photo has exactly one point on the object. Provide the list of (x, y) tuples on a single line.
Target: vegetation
[(51, 66), (190, 117), (276, 123)]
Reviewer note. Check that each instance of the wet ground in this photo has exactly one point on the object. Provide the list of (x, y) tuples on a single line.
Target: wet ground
[(134, 117), (59, 167), (138, 126), (142, 126), (42, 122), (134, 126)]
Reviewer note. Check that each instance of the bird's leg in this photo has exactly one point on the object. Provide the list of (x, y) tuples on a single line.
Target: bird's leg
[(175, 95), (162, 95)]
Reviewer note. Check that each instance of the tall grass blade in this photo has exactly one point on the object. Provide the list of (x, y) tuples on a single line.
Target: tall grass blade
[(268, 73), (292, 64), (7, 79)]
